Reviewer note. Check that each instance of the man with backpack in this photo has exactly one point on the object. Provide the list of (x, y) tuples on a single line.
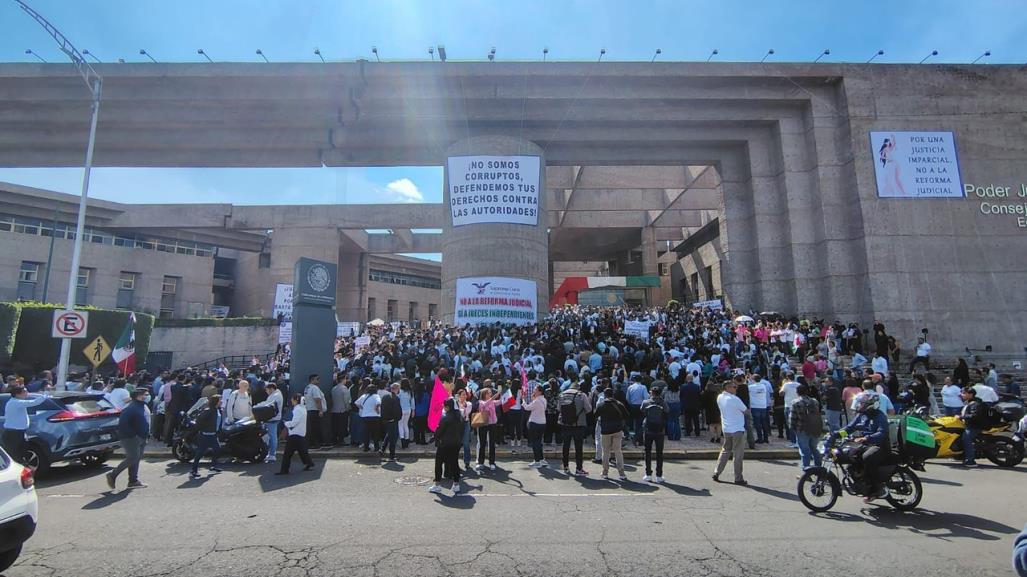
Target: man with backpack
[(574, 410), (611, 416), (808, 423), (391, 414), (654, 425)]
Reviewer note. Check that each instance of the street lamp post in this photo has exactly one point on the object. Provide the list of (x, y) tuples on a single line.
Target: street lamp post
[(95, 83)]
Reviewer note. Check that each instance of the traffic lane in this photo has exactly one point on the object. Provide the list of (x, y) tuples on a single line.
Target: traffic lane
[(364, 519)]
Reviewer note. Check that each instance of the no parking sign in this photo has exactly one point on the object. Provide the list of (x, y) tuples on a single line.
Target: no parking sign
[(69, 324)]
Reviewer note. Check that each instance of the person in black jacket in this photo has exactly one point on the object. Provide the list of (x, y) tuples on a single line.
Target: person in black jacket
[(975, 417), (208, 423), (392, 412), (133, 429), (448, 438)]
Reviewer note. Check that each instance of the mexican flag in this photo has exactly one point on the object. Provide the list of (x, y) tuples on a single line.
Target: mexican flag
[(124, 352)]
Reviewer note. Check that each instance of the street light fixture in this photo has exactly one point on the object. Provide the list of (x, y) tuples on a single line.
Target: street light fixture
[(712, 54), (374, 50), (317, 52), (986, 53), (767, 55), (492, 54), (143, 52), (876, 54), (88, 53), (95, 83), (933, 53), (658, 52), (602, 52), (261, 54), (442, 52), (545, 52), (29, 51), (826, 52), (204, 54), (431, 52)]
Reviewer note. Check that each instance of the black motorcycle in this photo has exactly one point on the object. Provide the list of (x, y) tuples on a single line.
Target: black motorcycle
[(820, 487), (243, 440)]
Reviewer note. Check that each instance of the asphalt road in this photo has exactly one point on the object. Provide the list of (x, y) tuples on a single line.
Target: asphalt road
[(362, 519)]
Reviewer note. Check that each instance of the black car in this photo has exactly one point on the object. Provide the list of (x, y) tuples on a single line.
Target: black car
[(69, 426)]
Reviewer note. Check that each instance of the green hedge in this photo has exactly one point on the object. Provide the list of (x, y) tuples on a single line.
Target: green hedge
[(10, 314), (35, 349), (216, 322)]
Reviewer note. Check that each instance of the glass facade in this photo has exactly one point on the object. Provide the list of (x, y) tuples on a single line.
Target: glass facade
[(65, 230), (404, 279)]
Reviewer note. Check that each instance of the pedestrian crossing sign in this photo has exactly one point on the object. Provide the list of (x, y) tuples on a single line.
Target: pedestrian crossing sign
[(97, 351)]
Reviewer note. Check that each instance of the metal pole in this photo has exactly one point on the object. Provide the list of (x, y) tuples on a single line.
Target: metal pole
[(49, 258), (76, 253)]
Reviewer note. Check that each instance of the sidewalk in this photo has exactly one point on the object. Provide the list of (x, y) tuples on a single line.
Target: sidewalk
[(686, 448)]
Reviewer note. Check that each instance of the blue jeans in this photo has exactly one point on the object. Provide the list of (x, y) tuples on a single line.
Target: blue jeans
[(808, 449), (535, 434), (272, 437), (969, 436), (952, 411), (761, 424), (834, 420), (674, 421), (206, 443), (356, 429)]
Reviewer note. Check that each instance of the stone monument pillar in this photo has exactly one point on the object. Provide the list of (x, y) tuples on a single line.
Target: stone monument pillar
[(313, 324), (496, 226)]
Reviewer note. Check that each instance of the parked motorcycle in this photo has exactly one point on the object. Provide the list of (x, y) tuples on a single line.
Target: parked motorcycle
[(820, 487), (243, 440), (1000, 443)]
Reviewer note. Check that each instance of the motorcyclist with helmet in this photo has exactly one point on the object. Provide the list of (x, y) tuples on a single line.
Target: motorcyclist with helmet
[(870, 430)]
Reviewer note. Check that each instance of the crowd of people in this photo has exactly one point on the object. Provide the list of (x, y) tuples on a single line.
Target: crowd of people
[(576, 375)]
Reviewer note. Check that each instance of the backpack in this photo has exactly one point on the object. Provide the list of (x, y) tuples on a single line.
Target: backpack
[(812, 423), (654, 418), (569, 408)]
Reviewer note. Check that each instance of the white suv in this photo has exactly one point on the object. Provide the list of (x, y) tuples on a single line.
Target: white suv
[(19, 509)]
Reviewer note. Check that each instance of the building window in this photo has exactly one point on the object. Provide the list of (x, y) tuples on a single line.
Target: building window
[(168, 294), (664, 269), (371, 312), (264, 260), (403, 279), (708, 283), (391, 311), (412, 312), (126, 289), (85, 275), (28, 277), (433, 311)]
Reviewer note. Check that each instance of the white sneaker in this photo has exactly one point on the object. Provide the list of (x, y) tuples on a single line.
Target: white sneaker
[(647, 478), (543, 463), (492, 467), (457, 488), (479, 467), (623, 478), (434, 489), (270, 459), (658, 480), (535, 465)]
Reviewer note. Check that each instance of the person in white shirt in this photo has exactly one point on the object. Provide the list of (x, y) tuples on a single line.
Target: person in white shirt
[(880, 365), (297, 440), (732, 418), (858, 360), (370, 405), (315, 404), (238, 404), (761, 400), (951, 398), (570, 366), (118, 397), (923, 355), (986, 394), (274, 399)]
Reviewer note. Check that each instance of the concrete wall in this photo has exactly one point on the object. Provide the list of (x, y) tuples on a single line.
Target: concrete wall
[(195, 273), (195, 345)]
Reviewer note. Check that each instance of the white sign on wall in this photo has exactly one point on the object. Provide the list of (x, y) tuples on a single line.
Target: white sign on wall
[(715, 304), (916, 165), (283, 301), (347, 329), (638, 329), (361, 343), (487, 300), (501, 189), (285, 332)]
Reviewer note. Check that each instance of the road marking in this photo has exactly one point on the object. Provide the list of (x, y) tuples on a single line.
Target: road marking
[(63, 496), (553, 495)]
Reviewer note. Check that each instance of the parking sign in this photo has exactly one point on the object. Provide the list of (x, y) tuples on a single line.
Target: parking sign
[(69, 324)]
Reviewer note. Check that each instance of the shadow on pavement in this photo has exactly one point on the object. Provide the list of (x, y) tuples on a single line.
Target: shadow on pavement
[(686, 491), (928, 481), (106, 499), (70, 473), (461, 501), (927, 522), (394, 467), (269, 481), (775, 493)]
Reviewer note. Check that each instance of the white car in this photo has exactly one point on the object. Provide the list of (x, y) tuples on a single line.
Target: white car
[(19, 509)]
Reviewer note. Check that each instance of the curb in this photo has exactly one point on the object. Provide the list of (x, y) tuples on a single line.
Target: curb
[(634, 454)]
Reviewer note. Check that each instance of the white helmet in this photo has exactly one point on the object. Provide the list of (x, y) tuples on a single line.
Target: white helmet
[(866, 401)]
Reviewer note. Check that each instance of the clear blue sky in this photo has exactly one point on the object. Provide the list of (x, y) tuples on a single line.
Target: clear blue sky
[(402, 30)]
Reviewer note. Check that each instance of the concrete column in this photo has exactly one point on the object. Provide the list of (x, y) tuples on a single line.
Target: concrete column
[(650, 263), (491, 249), (351, 295)]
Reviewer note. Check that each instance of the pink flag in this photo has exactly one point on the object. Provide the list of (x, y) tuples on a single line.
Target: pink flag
[(439, 394)]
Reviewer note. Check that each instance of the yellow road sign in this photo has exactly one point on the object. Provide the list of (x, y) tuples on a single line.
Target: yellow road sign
[(97, 351)]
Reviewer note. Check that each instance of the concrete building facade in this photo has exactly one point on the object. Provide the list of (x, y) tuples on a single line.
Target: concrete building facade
[(638, 158)]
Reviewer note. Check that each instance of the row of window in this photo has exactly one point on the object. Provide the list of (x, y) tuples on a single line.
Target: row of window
[(30, 274), (65, 230), (404, 279), (392, 311)]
